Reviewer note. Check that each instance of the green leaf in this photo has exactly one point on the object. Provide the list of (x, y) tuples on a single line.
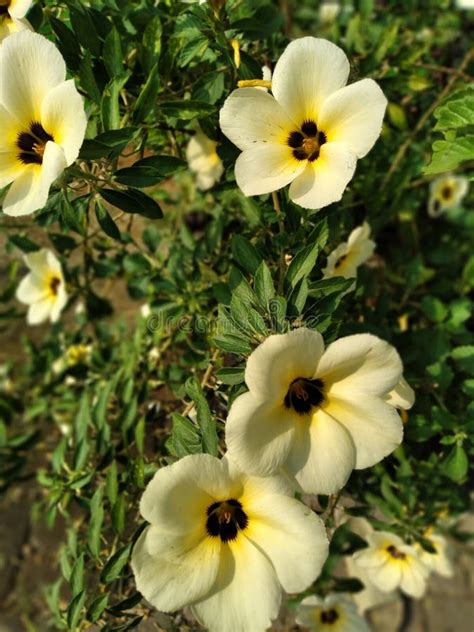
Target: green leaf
[(74, 610), (116, 564), (133, 201), (77, 576), (83, 27), (23, 243), (449, 154), (231, 375), (109, 106), (112, 53), (263, 285), (456, 464), (67, 42), (245, 254), (95, 523), (151, 51), (185, 436), (88, 80), (111, 483), (434, 309), (145, 104), (105, 221), (186, 110), (70, 216), (464, 358), (118, 515), (205, 419), (302, 264), (97, 607), (456, 111)]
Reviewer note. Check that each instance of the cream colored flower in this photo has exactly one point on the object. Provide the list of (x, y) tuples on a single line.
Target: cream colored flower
[(225, 543), (348, 256), (12, 17), (310, 132), (328, 11), (390, 563), (465, 4), (202, 158), (446, 192), (75, 354), (316, 413), (43, 289), (439, 561), (43, 119), (334, 613)]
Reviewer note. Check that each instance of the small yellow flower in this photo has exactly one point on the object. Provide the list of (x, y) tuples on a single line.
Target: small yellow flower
[(12, 17), (43, 289), (202, 158), (42, 120), (390, 563), (446, 192), (226, 543), (335, 613), (348, 256)]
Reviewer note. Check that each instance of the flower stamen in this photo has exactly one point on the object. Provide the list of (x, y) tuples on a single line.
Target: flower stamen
[(329, 616), (225, 519), (54, 285), (32, 144), (395, 553), (306, 144), (304, 394)]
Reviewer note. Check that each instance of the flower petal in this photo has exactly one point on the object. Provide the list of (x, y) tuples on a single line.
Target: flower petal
[(374, 426), (19, 8), (63, 116), (265, 168), (177, 497), (388, 576), (354, 115), (59, 304), (246, 595), (282, 358), (361, 363), (171, 586), (31, 290), (402, 396), (309, 70), (29, 192), (251, 116), (30, 66), (291, 535), (258, 435), (322, 455), (39, 312), (413, 580), (324, 181)]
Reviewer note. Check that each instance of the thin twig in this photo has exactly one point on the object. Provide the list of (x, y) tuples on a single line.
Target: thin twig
[(404, 147), (204, 381)]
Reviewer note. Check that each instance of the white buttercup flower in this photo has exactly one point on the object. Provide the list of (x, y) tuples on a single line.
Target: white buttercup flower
[(12, 16), (439, 561), (334, 613), (348, 256), (202, 158), (316, 413), (446, 192), (225, 543), (465, 4), (310, 132), (391, 563), (43, 289), (42, 120), (328, 11)]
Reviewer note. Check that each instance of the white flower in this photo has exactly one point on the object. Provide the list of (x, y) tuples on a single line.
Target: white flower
[(310, 132), (145, 310), (465, 4), (328, 11), (225, 543), (348, 256), (12, 16), (43, 289), (439, 561), (317, 414), (390, 563), (44, 118), (446, 192), (202, 158), (335, 613)]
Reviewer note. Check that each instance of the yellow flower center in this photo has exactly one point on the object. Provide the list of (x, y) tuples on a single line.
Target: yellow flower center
[(31, 144), (395, 553), (340, 261), (329, 616), (306, 142), (225, 519), (304, 395)]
